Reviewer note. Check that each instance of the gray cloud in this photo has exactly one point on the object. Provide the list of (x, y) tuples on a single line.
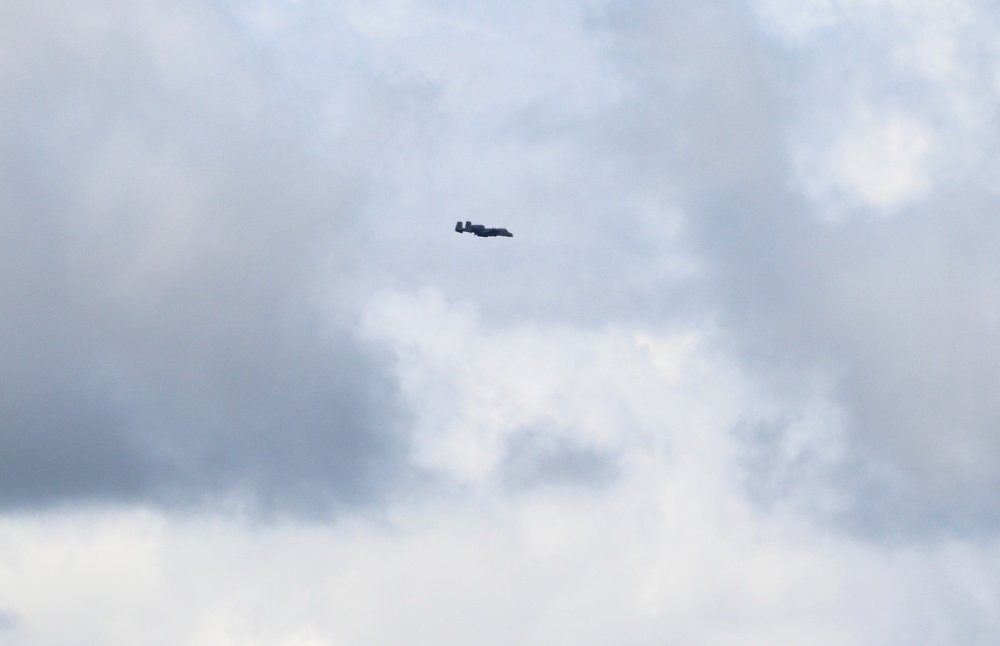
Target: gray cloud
[(536, 458), (8, 620), (164, 222), (895, 308)]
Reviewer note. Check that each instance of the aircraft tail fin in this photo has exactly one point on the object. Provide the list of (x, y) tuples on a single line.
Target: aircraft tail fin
[(458, 227)]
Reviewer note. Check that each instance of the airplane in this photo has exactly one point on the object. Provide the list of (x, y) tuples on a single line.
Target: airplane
[(482, 231)]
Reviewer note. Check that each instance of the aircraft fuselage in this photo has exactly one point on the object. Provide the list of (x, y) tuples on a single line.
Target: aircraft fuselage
[(482, 231)]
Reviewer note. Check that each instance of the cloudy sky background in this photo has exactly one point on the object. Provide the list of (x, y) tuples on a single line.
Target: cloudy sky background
[(735, 380)]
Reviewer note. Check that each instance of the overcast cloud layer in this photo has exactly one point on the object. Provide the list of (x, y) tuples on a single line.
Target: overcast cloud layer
[(735, 380)]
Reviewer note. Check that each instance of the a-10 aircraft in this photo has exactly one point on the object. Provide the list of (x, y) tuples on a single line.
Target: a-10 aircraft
[(482, 231)]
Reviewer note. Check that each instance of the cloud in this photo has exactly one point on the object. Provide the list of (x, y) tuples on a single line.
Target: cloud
[(879, 162), (8, 620), (165, 223), (481, 394), (668, 551), (732, 381), (189, 267), (893, 313)]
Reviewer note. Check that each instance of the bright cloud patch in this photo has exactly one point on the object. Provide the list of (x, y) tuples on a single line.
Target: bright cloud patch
[(877, 161), (481, 393)]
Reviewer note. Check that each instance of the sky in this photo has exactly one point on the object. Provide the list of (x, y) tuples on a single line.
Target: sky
[(734, 380)]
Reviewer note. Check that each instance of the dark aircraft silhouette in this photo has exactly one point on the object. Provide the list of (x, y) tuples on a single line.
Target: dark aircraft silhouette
[(482, 231)]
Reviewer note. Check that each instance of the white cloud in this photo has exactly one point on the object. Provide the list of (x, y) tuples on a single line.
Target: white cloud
[(475, 387), (875, 161), (892, 98)]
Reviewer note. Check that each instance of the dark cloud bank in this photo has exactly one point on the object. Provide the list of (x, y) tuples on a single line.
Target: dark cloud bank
[(162, 225)]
